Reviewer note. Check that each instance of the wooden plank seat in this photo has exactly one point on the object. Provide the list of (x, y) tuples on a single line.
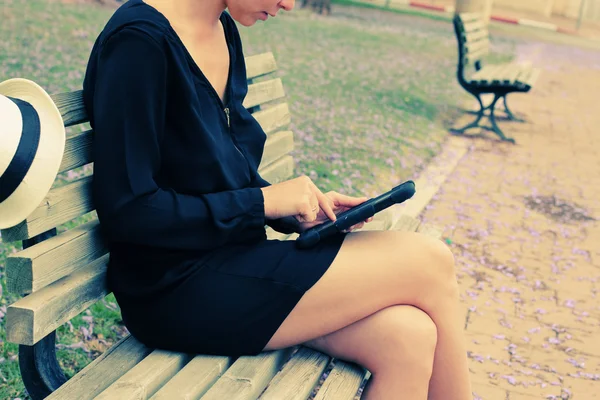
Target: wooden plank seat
[(61, 272), (511, 74), (498, 79)]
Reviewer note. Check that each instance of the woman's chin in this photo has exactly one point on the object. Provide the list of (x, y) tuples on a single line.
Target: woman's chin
[(247, 20)]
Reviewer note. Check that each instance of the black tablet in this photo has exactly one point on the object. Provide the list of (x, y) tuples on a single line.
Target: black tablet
[(357, 214)]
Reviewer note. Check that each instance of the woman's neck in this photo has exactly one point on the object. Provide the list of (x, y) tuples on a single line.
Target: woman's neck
[(192, 17)]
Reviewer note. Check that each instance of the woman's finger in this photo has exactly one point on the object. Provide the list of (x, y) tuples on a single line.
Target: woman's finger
[(346, 201), (309, 211), (354, 227), (358, 226), (325, 203)]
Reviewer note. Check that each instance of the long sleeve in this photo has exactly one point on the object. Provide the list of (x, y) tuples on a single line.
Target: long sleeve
[(128, 116), (285, 225)]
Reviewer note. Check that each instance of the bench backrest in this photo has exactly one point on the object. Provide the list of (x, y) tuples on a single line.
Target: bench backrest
[(64, 274), (473, 38)]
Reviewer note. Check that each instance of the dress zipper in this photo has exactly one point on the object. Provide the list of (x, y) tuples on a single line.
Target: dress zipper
[(227, 114), (228, 129)]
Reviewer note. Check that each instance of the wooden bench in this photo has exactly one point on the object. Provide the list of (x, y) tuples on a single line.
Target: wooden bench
[(497, 79), (61, 275)]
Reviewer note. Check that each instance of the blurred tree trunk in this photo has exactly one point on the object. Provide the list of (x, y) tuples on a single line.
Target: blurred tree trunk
[(318, 6), (487, 10)]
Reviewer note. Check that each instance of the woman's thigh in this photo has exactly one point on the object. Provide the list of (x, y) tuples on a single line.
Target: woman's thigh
[(372, 270)]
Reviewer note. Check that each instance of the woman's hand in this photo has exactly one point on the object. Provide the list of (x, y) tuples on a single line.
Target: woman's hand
[(300, 198), (339, 203)]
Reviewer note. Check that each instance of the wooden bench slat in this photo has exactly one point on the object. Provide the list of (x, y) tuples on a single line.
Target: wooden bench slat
[(71, 107), (476, 46), (194, 379), (533, 77), (33, 317), (103, 371), (273, 234), (298, 377), (512, 75), (31, 269), (505, 71), (260, 64), (529, 76), (78, 151), (248, 376), (468, 17), (273, 118), (497, 71), (375, 225), (500, 72), (382, 221), (277, 146), (474, 26), (343, 382), (278, 171), (406, 223), (526, 65), (149, 375), (62, 204), (385, 217), (476, 55), (263, 92), (476, 36), (430, 230), (508, 73)]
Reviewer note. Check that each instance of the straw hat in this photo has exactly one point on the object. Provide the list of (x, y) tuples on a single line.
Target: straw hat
[(32, 142)]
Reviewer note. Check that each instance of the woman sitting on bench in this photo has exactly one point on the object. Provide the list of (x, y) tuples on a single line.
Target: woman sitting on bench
[(183, 208)]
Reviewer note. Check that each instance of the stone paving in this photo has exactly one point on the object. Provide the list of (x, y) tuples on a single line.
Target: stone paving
[(523, 223)]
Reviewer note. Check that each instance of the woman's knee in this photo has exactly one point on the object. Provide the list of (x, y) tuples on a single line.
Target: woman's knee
[(408, 337), (437, 252), (435, 271)]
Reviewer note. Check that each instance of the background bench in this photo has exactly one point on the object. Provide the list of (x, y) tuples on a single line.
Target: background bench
[(498, 79), (61, 275)]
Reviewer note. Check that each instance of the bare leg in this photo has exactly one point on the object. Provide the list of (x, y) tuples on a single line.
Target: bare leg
[(375, 270), (395, 344)]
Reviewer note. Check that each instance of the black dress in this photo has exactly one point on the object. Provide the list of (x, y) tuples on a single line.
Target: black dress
[(177, 193)]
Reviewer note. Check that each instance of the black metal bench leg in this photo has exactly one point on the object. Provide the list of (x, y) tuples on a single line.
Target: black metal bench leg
[(40, 370), (39, 367), (475, 123), (495, 127), (511, 116)]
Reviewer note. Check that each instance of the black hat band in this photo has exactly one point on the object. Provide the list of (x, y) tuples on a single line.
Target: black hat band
[(23, 158)]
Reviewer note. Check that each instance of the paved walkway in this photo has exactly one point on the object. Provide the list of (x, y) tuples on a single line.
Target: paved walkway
[(524, 225), (588, 29)]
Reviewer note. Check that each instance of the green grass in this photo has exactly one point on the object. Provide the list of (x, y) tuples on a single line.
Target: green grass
[(371, 94), (397, 8)]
